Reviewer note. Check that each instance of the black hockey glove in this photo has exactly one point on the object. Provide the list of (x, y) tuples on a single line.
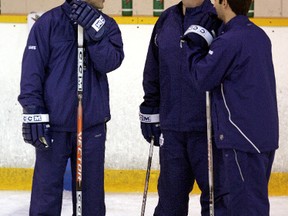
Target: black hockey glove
[(89, 18), (35, 127), (203, 33), (150, 123)]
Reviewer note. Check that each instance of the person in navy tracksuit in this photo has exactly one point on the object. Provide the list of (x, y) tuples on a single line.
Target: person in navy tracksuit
[(238, 70), (169, 93), (49, 100)]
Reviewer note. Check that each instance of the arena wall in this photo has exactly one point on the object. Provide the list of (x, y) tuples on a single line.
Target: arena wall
[(263, 8)]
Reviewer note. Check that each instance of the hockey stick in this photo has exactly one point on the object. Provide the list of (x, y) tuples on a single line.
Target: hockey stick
[(79, 122), (210, 154), (147, 177)]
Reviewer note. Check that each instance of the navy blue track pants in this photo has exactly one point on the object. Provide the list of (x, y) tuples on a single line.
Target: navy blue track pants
[(47, 188), (184, 159), (248, 177)]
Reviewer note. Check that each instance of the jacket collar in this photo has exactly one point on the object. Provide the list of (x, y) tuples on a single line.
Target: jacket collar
[(239, 20), (204, 7), (66, 7)]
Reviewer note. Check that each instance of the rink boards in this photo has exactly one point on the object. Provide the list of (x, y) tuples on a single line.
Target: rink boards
[(126, 152)]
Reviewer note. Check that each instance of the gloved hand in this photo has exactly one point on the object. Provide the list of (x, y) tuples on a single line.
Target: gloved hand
[(150, 123), (203, 33), (89, 18), (35, 127)]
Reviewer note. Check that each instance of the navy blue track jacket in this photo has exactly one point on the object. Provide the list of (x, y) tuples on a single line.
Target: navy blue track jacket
[(239, 71), (167, 82), (49, 70)]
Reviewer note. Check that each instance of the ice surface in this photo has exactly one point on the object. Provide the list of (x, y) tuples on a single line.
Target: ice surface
[(16, 203)]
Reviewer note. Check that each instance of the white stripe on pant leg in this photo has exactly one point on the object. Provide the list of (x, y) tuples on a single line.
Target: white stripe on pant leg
[(238, 165)]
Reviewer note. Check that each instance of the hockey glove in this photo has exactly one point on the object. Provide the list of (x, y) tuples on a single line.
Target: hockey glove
[(89, 18), (35, 127), (203, 33), (150, 123)]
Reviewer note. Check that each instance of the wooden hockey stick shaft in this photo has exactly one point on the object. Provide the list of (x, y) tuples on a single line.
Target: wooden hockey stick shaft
[(147, 177), (210, 154)]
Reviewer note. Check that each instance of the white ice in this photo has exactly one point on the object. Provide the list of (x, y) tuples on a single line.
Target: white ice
[(16, 203)]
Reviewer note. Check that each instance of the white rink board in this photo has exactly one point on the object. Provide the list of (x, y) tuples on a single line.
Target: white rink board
[(125, 148)]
